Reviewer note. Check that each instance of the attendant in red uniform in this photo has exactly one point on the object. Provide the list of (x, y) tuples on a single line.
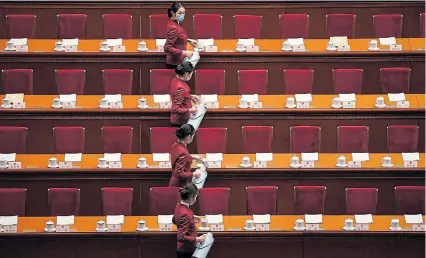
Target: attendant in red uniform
[(181, 159), (180, 94), (177, 39), (185, 222)]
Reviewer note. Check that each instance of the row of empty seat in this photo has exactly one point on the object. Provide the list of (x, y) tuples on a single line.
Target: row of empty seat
[(259, 200), (209, 81), (256, 139), (209, 25)]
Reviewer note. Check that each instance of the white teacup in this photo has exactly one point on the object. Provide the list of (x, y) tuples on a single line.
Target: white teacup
[(3, 163), (299, 224), (295, 161), (50, 226), (59, 46), (290, 102), (331, 45), (104, 45), (56, 102), (372, 44), (286, 46), (349, 223), (103, 102), (395, 224), (200, 45), (387, 161), (100, 225), (10, 45), (336, 102), (102, 162), (142, 45), (341, 161), (53, 162), (204, 223), (241, 46), (249, 224), (7, 102), (245, 161), (380, 102), (142, 102), (243, 103), (141, 224), (142, 162)]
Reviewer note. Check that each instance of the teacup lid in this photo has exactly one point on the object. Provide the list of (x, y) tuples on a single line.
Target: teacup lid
[(295, 157), (141, 221), (142, 158), (249, 221), (101, 222), (102, 158), (342, 157), (348, 220), (395, 220), (289, 98), (300, 220), (49, 222), (52, 158)]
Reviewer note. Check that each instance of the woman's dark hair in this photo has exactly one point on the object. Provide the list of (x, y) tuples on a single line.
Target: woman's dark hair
[(185, 67), (174, 8), (188, 191), (184, 131)]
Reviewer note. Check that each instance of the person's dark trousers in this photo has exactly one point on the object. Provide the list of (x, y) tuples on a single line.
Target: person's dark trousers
[(184, 255), (170, 66)]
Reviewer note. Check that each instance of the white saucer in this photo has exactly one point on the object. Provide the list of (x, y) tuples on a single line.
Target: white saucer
[(101, 230), (349, 229), (106, 166), (10, 49), (47, 230), (299, 229), (379, 106), (395, 229), (246, 166), (146, 166), (246, 106), (103, 106), (295, 166), (250, 229), (104, 50), (291, 106), (241, 49), (59, 50), (286, 50), (143, 107), (204, 229), (49, 166), (9, 106), (341, 166), (142, 229), (199, 50), (374, 49), (387, 166), (142, 49), (331, 49), (60, 106), (336, 106)]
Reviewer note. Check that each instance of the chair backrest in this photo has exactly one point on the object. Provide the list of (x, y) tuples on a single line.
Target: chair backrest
[(347, 81), (18, 81), (247, 26), (298, 81), (21, 25), (69, 139), (361, 200), (117, 201), (117, 139), (403, 138), (388, 25), (261, 200), (352, 139), (339, 24), (118, 81), (13, 139), (64, 201), (309, 199), (158, 26), (12, 201), (207, 26), (117, 26), (160, 80), (257, 139), (70, 81), (72, 26), (214, 201), (211, 140), (163, 200), (253, 81), (210, 81), (395, 80), (305, 139), (162, 139), (422, 25), (410, 200), (294, 25)]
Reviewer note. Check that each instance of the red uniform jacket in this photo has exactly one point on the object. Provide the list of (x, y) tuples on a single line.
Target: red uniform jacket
[(175, 43), (181, 102), (181, 165), (187, 232)]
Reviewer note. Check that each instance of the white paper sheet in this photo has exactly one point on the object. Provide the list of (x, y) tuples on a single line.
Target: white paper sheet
[(347, 97), (361, 156), (15, 97), (387, 41), (339, 41), (246, 42), (73, 157), (201, 110), (19, 42), (65, 220), (310, 156), (363, 218), (68, 97), (214, 156), (113, 98), (161, 98), (160, 42), (8, 220), (114, 42), (303, 97), (159, 157), (313, 218), (193, 59), (199, 182), (206, 42), (214, 219), (251, 97), (203, 249), (396, 96), (413, 218), (70, 42), (112, 157), (261, 219), (411, 156), (165, 219), (115, 219), (10, 157), (295, 41), (208, 98), (264, 157)]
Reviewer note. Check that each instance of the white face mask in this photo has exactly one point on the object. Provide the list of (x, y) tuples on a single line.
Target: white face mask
[(187, 78)]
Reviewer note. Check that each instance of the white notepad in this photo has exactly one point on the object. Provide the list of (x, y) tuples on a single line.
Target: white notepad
[(264, 157), (9, 220), (303, 97), (114, 42), (65, 220), (10, 157), (115, 219), (70, 42), (112, 157), (313, 218), (68, 97), (19, 41), (160, 157), (361, 156), (73, 157), (161, 98), (363, 218), (165, 219), (214, 219), (394, 97), (412, 156), (214, 156), (310, 156), (262, 219)]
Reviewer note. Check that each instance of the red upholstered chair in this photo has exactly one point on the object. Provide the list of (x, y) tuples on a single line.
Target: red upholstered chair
[(257, 139), (294, 25), (410, 199), (12, 201), (117, 201), (117, 26), (403, 138), (70, 81), (21, 25), (211, 140), (388, 25), (261, 200), (72, 26), (214, 201), (161, 80), (69, 139), (298, 81), (163, 200), (352, 139), (347, 81), (210, 81), (118, 81), (395, 80), (13, 139), (117, 139), (253, 81), (162, 139), (309, 199), (361, 200), (341, 25), (422, 25), (207, 26), (247, 26), (18, 81), (64, 201), (158, 26), (305, 139)]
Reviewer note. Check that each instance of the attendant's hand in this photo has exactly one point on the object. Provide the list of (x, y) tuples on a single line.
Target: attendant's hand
[(197, 173), (200, 239), (195, 98), (197, 219), (187, 53), (197, 158), (193, 110)]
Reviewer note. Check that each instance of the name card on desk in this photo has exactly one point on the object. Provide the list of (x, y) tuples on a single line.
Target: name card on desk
[(66, 164), (18, 104), (262, 227), (9, 224), (116, 104), (165, 227), (344, 48), (10, 229), (308, 164), (255, 104), (62, 228), (114, 227), (214, 164), (119, 49), (410, 159), (418, 227), (211, 48), (348, 104), (299, 48), (165, 164), (354, 164), (260, 164), (14, 165), (312, 226), (251, 48), (217, 227), (115, 164), (403, 104), (214, 104), (395, 47), (410, 163), (165, 105), (160, 48), (70, 48), (362, 227), (22, 48), (302, 105), (68, 104)]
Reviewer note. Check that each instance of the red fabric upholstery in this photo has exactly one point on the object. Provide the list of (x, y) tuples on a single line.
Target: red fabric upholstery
[(207, 26), (422, 25), (72, 26), (69, 139), (21, 25), (13, 139), (410, 199), (341, 25), (352, 139), (118, 81), (257, 139), (117, 201), (64, 201), (162, 139), (161, 79), (347, 81), (388, 25), (261, 200), (298, 81), (70, 81), (214, 201), (158, 26), (117, 26), (117, 139), (395, 80), (210, 81), (403, 138), (248, 26), (211, 140), (294, 25), (18, 81), (253, 81), (361, 200), (163, 200), (12, 201), (305, 139), (309, 199)]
